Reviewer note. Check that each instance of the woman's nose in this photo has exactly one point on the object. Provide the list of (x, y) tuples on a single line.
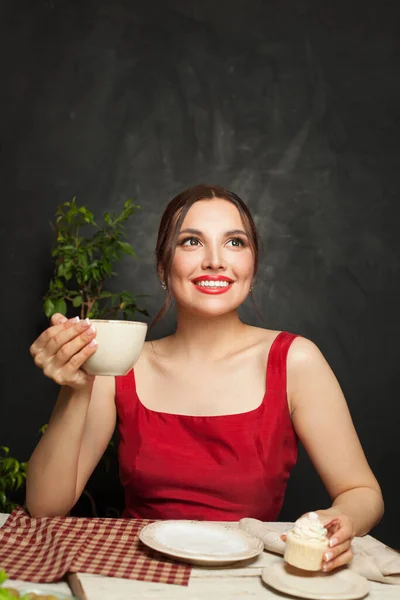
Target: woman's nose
[(214, 259)]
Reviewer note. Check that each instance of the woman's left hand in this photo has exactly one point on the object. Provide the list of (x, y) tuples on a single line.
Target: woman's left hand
[(340, 533)]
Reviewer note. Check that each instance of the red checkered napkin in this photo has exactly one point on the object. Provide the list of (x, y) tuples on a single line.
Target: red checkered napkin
[(45, 549)]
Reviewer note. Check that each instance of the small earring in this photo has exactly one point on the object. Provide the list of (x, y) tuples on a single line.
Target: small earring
[(164, 287), (251, 288)]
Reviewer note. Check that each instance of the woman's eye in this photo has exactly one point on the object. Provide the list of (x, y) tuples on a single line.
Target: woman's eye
[(190, 242), (236, 242)]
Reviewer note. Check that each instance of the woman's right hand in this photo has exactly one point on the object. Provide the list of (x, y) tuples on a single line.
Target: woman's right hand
[(62, 348)]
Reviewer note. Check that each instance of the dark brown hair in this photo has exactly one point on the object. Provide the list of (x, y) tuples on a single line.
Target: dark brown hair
[(172, 220)]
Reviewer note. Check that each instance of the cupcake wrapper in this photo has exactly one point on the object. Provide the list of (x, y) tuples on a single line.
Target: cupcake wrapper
[(303, 554)]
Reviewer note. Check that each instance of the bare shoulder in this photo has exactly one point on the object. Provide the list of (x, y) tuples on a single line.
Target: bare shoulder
[(260, 335), (309, 376), (303, 353)]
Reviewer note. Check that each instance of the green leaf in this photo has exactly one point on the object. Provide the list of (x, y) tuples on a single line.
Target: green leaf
[(43, 428), (127, 296), (126, 248), (10, 466), (3, 576), (3, 500), (60, 307), (107, 268), (58, 283), (77, 301), (48, 308), (20, 480), (82, 258)]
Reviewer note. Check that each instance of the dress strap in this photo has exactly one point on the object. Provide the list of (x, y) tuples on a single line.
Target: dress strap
[(123, 382), (125, 392), (276, 370)]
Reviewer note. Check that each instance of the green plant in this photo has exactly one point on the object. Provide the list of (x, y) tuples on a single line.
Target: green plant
[(12, 593), (5, 593), (12, 478), (83, 264)]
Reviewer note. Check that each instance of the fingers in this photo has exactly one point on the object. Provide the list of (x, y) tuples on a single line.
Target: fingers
[(55, 338), (340, 532), (331, 525), (49, 333), (64, 344), (70, 373), (337, 557), (58, 319), (61, 350), (67, 351)]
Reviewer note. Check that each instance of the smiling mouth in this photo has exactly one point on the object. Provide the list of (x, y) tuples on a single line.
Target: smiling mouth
[(210, 286)]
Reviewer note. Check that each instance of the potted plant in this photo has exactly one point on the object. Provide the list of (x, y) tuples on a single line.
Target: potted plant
[(12, 478), (83, 264), (84, 256)]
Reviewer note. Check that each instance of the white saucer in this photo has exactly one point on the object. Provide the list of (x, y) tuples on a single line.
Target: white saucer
[(200, 542), (338, 585)]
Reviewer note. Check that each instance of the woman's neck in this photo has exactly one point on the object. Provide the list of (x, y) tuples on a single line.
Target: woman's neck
[(205, 338)]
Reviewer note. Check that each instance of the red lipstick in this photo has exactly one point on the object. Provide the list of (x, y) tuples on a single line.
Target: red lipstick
[(213, 290)]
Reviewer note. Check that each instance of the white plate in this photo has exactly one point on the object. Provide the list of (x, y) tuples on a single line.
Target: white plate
[(200, 542), (338, 585)]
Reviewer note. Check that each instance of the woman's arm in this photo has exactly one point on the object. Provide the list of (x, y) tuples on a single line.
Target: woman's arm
[(323, 423), (79, 431)]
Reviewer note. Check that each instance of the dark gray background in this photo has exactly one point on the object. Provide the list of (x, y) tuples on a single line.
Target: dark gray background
[(291, 104)]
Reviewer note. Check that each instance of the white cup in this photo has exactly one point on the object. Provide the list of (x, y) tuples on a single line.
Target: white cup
[(119, 346)]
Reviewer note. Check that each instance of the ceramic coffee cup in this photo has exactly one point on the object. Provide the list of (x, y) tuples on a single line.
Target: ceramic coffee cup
[(119, 346)]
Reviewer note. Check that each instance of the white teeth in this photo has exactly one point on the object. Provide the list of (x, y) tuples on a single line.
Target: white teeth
[(212, 283)]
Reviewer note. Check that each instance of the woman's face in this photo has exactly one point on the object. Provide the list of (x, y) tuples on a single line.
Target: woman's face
[(213, 265)]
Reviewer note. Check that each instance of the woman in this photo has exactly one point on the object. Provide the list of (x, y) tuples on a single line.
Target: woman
[(209, 419)]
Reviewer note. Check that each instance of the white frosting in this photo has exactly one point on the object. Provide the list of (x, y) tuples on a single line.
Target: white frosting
[(310, 528)]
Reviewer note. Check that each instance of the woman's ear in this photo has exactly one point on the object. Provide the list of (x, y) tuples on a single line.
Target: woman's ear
[(160, 273)]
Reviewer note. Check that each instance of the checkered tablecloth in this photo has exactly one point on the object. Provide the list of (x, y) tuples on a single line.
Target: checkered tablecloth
[(45, 549)]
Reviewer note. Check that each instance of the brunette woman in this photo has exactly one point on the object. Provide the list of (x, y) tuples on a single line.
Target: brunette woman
[(210, 416)]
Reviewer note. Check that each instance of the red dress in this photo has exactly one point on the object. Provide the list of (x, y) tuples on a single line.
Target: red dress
[(215, 468)]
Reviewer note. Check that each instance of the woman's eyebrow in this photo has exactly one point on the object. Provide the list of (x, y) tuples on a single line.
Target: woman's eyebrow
[(194, 231), (236, 232), (227, 233)]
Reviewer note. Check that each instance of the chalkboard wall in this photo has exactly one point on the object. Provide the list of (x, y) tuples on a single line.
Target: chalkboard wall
[(291, 104)]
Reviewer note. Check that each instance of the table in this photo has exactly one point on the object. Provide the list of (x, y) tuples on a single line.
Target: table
[(242, 582)]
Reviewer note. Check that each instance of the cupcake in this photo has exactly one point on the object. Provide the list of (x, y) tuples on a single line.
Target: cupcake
[(306, 543)]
